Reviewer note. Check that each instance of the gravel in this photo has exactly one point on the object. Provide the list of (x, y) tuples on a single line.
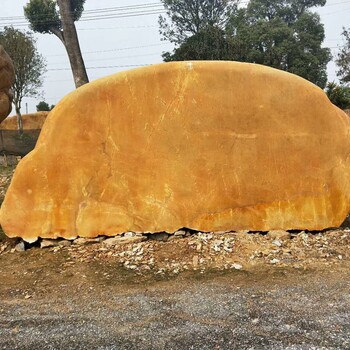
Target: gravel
[(99, 307)]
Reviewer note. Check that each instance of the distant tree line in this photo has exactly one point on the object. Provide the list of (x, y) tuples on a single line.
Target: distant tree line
[(43, 106), (284, 34)]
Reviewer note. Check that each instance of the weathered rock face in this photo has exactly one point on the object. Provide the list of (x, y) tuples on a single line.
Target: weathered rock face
[(211, 146), (7, 76), (30, 121), (11, 143)]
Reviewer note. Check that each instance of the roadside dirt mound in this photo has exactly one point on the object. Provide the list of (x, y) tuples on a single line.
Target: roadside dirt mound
[(163, 254)]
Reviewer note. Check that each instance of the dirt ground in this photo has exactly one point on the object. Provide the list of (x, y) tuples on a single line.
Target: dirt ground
[(232, 290), (49, 304)]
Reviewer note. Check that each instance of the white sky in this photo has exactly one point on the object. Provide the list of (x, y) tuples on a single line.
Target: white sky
[(130, 41)]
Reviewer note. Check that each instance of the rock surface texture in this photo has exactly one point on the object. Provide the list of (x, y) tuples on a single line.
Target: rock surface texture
[(212, 146), (7, 76), (30, 121)]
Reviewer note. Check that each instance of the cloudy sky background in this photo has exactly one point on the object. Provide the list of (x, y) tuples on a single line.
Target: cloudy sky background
[(115, 39)]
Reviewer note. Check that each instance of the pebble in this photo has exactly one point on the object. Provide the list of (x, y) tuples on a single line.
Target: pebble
[(65, 243), (109, 242), (3, 247), (237, 266), (48, 243), (277, 243), (87, 241), (20, 247), (129, 234), (180, 233), (279, 235)]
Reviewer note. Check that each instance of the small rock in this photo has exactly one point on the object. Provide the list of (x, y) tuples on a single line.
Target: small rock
[(180, 233), (218, 242), (110, 242), (87, 241), (162, 236), (277, 243), (3, 247), (64, 243), (228, 250), (195, 261), (274, 261), (236, 266), (255, 321), (48, 243), (129, 234), (216, 246), (280, 235), (20, 247)]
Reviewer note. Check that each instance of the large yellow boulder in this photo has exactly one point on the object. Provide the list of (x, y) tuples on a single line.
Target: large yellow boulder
[(7, 76), (210, 146)]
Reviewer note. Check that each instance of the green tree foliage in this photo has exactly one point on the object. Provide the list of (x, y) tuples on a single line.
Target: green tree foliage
[(58, 17), (283, 34), (44, 15), (28, 63), (185, 18), (343, 58), (339, 95), (210, 43), (43, 106)]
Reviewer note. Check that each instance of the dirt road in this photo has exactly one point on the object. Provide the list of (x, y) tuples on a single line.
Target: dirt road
[(47, 304)]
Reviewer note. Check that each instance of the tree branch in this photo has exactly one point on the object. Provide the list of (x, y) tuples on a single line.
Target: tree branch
[(58, 33)]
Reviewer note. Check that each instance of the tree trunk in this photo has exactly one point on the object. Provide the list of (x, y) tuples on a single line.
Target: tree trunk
[(71, 42), (19, 120)]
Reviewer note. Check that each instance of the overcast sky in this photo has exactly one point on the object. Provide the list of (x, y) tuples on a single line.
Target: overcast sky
[(127, 41)]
